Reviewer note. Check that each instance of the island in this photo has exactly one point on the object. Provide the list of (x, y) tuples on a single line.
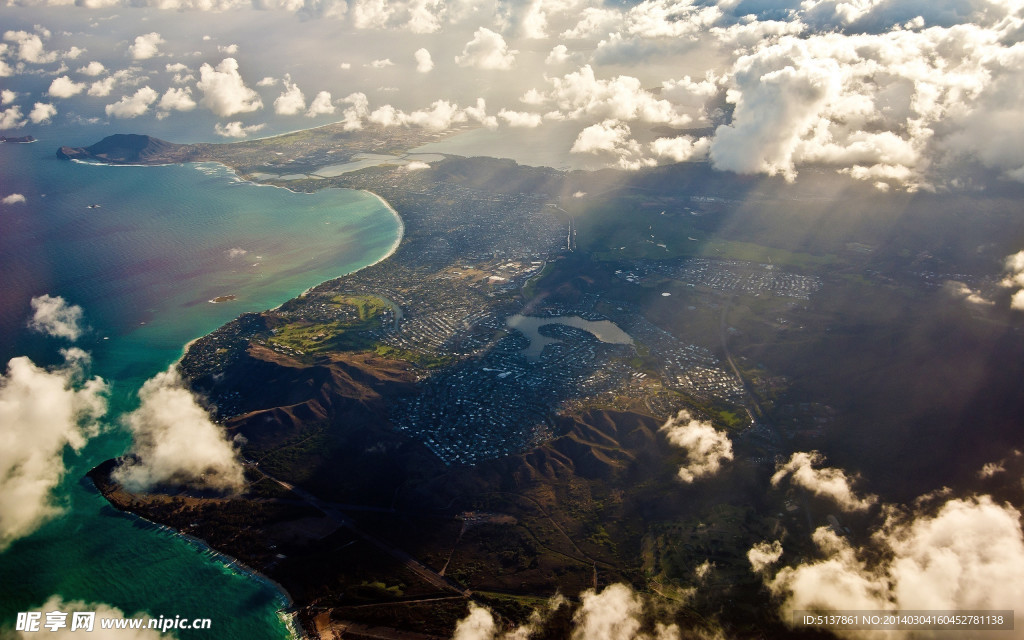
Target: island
[(407, 453), (17, 139)]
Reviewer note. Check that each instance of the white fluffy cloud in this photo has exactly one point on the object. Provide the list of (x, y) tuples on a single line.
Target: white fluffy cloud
[(65, 87), (93, 69), (612, 139), (520, 118), (706, 447), (681, 148), (134, 105), (291, 101), (177, 99), (487, 50), (440, 116), (763, 555), (7, 96), (417, 16), (12, 118), (581, 94), (224, 91), (14, 198), (967, 555), (53, 315), (146, 46), (42, 112), (176, 442), (321, 105), (102, 610), (102, 88), (828, 482), (43, 411), (424, 63), (1015, 279), (30, 47), (559, 55), (236, 129)]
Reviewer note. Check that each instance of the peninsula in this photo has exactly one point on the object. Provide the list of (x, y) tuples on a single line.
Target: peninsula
[(406, 454)]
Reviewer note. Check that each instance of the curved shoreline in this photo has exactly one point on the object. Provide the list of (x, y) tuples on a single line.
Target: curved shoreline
[(291, 618)]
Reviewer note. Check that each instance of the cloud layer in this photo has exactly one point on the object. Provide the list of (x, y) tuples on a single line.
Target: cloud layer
[(175, 442), (53, 316), (967, 555), (706, 447), (827, 482), (43, 412)]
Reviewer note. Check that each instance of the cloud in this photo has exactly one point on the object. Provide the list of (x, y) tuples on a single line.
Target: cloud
[(320, 105), (417, 165), (236, 129), (30, 47), (612, 613), (42, 112), (774, 109), (417, 16), (102, 610), (682, 148), (827, 482), (176, 442), (559, 55), (478, 113), (580, 94), (134, 105), (224, 91), (93, 69), (487, 50), (102, 88), (969, 554), (268, 81), (14, 198), (520, 118), (594, 22), (7, 96), (359, 108), (177, 99), (424, 63), (291, 101), (64, 87), (230, 49), (322, 9), (962, 291), (180, 71), (670, 19), (43, 412), (146, 46), (381, 64), (12, 118), (1014, 269), (53, 315), (479, 623), (706, 447), (440, 116), (763, 555)]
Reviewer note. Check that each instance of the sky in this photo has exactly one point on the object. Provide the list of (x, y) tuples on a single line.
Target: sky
[(902, 94)]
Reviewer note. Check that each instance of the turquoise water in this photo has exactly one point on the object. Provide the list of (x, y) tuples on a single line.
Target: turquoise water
[(143, 266)]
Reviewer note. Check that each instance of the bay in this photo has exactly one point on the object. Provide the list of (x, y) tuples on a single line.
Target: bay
[(143, 250)]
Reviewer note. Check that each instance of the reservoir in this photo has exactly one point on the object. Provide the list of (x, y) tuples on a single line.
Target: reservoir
[(604, 330)]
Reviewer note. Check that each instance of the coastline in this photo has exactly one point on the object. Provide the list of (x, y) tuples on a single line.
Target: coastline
[(289, 615), (229, 562)]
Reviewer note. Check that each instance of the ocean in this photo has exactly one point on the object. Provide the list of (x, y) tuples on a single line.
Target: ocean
[(144, 265)]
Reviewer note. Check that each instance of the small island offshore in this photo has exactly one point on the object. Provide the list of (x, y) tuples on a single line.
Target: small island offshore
[(412, 457)]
